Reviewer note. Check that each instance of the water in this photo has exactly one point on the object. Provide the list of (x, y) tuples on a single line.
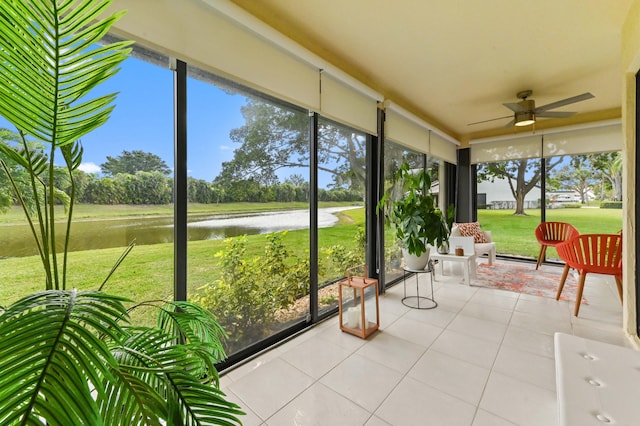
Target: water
[(97, 234)]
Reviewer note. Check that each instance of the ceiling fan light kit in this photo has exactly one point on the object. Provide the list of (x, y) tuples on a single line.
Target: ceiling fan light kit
[(525, 112)]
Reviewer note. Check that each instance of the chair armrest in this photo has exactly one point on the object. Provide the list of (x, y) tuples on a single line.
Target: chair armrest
[(488, 235)]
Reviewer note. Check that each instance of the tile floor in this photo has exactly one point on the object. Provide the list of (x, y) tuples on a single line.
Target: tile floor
[(483, 357)]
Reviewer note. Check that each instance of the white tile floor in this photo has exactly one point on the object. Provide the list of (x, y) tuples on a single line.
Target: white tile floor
[(482, 357)]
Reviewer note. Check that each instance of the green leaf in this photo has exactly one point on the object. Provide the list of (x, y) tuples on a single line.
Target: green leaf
[(49, 62), (53, 358)]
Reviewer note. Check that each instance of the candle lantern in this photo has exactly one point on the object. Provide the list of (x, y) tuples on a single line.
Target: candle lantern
[(358, 304)]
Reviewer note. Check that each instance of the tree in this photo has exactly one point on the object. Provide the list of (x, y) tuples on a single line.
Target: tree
[(577, 178), (296, 180), (586, 171), (131, 162), (609, 164), (521, 175), (274, 138), (8, 137)]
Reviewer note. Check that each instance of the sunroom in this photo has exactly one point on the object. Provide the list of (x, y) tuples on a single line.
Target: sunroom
[(280, 126)]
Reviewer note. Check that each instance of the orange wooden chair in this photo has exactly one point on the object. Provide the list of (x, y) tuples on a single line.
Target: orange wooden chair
[(595, 253), (552, 234)]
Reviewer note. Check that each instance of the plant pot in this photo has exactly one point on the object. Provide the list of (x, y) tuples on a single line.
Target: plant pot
[(415, 262)]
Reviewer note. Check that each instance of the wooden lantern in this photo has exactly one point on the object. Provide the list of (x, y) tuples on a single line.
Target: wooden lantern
[(358, 316)]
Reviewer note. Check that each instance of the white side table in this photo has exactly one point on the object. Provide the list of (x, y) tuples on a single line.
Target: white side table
[(468, 264)]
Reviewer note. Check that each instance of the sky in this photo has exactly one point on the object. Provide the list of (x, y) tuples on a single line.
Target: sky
[(143, 120)]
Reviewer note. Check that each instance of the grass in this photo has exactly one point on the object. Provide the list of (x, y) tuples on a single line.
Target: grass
[(148, 271), (515, 234)]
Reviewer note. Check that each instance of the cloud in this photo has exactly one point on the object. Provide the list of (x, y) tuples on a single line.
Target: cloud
[(225, 147), (89, 168)]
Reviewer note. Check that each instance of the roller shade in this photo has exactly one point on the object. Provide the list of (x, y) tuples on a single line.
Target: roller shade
[(198, 34), (347, 105), (506, 149), (584, 141), (587, 138), (442, 148), (403, 131)]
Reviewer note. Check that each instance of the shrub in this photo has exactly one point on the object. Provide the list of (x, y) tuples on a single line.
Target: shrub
[(572, 205), (611, 205), (251, 290)]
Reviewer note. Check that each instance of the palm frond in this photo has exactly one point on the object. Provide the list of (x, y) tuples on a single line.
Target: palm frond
[(193, 323), (191, 396), (51, 357), (49, 61), (72, 154), (161, 377)]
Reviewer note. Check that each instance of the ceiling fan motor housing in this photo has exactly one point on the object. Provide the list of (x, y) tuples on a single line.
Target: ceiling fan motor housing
[(527, 105)]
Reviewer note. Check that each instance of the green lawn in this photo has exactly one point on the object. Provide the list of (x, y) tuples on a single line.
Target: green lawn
[(514, 235), (148, 271)]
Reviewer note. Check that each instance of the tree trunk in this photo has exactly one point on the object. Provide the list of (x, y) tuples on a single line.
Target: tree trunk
[(519, 203), (617, 186)]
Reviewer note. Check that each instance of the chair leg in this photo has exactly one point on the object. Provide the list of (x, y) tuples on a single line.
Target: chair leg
[(543, 250), (619, 285), (565, 272), (583, 276)]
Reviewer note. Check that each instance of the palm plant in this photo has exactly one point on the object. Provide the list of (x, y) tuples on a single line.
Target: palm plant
[(69, 357)]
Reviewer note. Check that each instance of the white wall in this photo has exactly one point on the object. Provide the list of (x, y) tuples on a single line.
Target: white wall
[(499, 191)]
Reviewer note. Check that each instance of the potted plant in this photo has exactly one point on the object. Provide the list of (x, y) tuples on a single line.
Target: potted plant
[(418, 221), (70, 356)]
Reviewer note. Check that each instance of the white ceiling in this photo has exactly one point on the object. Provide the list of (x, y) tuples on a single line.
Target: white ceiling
[(454, 62)]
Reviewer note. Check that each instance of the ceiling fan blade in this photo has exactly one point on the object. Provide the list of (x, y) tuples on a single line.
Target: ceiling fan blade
[(515, 107), (555, 114), (564, 102), (491, 119)]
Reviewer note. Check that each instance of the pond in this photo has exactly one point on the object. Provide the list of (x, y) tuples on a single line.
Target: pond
[(98, 234)]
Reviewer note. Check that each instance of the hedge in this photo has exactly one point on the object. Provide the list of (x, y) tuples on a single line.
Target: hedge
[(611, 205)]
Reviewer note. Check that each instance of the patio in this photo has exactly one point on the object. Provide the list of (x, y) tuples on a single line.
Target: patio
[(482, 357)]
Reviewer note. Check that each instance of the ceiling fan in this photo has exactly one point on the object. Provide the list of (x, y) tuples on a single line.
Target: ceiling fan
[(525, 112)]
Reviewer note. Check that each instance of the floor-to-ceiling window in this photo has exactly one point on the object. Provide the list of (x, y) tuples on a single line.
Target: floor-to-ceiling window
[(508, 202), (586, 191), (248, 211), (572, 175), (342, 178)]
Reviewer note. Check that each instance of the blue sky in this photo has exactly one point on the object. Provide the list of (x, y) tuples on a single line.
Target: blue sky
[(143, 120)]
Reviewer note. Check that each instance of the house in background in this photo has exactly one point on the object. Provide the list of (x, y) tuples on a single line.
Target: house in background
[(497, 195), (558, 198)]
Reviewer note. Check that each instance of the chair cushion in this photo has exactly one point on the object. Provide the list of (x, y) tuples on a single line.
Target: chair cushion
[(472, 229)]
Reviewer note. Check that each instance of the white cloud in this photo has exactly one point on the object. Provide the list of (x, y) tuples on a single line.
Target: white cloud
[(224, 147), (89, 168)]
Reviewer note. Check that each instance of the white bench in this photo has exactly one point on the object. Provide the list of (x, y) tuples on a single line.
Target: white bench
[(597, 383)]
